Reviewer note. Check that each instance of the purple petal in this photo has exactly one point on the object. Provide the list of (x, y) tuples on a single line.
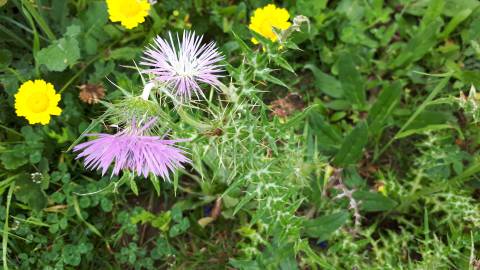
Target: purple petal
[(184, 64), (133, 151)]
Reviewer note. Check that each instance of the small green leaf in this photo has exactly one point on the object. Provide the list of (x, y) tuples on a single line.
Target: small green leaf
[(337, 116), (133, 185), (413, 122), (434, 10), (338, 105), (425, 129), (179, 228), (31, 136), (326, 83), (60, 55), (106, 204), (419, 45), (78, 211), (374, 201), (311, 8), (353, 84), (297, 119), (142, 217), (73, 31), (280, 61), (383, 107), (352, 148), (155, 183), (70, 255), (453, 7), (162, 248), (192, 120), (265, 75), (242, 43), (262, 40), (321, 128), (125, 53), (35, 157), (162, 221), (430, 118), (455, 21), (246, 199), (30, 193), (5, 58), (322, 227), (176, 212), (14, 158)]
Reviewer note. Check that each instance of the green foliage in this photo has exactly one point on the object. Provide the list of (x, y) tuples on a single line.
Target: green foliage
[(375, 167), (383, 107), (321, 228), (61, 53), (352, 147)]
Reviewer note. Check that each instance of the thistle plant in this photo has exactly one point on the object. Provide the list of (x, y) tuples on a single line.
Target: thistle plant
[(290, 135), (470, 104)]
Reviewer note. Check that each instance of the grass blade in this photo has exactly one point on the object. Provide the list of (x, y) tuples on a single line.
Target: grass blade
[(6, 228), (39, 19), (420, 109)]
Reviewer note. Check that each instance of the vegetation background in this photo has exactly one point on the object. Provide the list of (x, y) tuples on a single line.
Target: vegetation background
[(349, 147)]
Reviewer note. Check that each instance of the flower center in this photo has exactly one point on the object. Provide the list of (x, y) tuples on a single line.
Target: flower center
[(132, 10), (39, 102), (185, 68), (186, 73)]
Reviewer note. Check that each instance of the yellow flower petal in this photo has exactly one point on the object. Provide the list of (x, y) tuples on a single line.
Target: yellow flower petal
[(265, 19), (36, 101), (129, 13)]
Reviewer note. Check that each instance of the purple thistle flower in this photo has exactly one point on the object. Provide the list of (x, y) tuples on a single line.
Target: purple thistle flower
[(130, 149), (183, 66)]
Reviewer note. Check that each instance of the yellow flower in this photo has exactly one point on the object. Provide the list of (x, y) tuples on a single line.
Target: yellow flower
[(129, 13), (264, 19), (382, 190), (36, 101)]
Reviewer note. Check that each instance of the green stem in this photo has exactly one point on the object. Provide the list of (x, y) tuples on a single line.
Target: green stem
[(36, 42), (13, 36), (72, 79), (11, 130), (76, 207), (14, 72), (21, 26), (191, 120), (465, 175), (39, 19), (6, 228)]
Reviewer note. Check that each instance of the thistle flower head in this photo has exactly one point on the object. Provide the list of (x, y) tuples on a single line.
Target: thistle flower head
[(131, 149), (184, 64)]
